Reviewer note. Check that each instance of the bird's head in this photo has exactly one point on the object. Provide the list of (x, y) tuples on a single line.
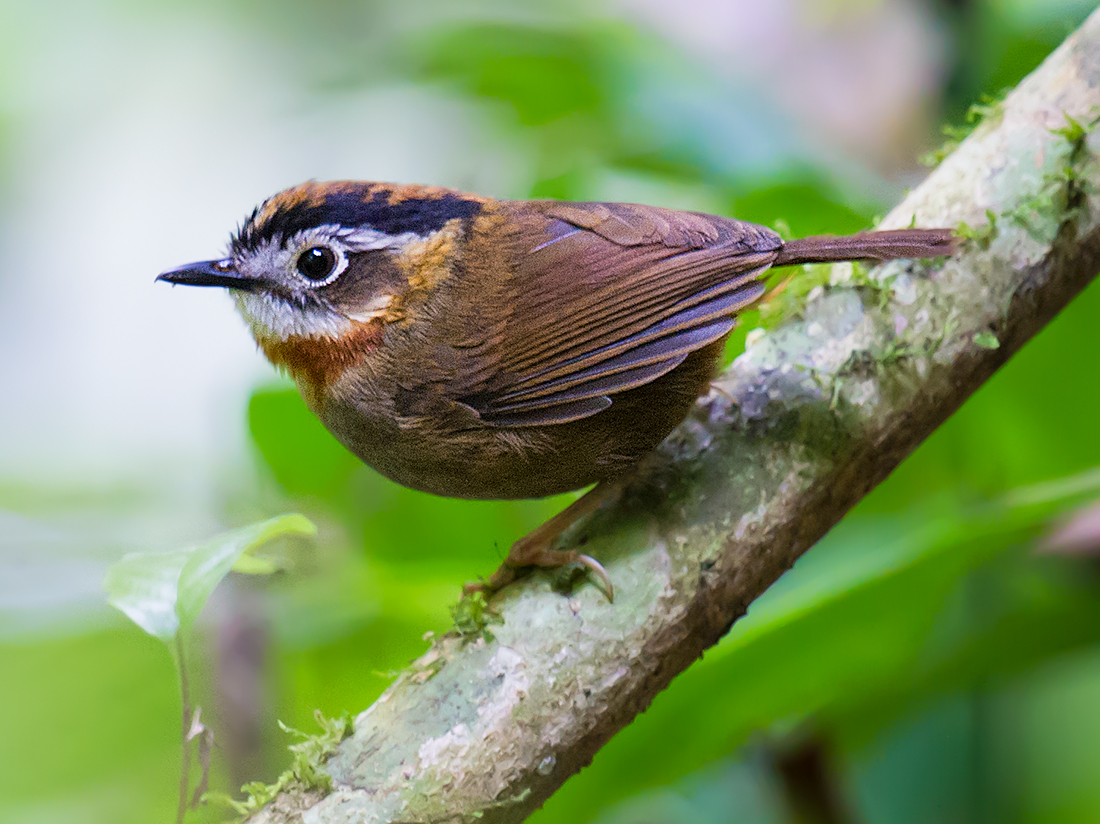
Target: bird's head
[(328, 263)]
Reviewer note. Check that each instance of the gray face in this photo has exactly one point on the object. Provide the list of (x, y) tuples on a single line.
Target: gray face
[(316, 259), (319, 281)]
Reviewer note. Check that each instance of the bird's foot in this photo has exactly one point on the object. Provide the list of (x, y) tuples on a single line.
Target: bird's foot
[(518, 564), (535, 550)]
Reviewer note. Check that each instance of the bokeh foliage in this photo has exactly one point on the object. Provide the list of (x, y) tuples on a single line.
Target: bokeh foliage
[(948, 671)]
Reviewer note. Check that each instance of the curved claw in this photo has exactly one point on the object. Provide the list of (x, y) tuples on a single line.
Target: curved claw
[(534, 550), (506, 574), (596, 568)]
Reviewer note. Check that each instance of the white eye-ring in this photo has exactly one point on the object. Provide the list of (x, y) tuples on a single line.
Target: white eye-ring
[(319, 264)]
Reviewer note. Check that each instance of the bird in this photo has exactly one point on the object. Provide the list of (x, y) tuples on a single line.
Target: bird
[(478, 348)]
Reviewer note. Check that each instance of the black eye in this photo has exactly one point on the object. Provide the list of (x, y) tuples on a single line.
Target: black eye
[(316, 263)]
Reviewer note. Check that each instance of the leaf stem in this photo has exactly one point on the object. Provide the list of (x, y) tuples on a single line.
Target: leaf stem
[(185, 728)]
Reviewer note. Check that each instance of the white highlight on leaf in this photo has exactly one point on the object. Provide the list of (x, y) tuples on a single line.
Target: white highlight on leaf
[(163, 592)]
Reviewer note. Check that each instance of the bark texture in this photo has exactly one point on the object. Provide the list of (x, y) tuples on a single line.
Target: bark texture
[(806, 422)]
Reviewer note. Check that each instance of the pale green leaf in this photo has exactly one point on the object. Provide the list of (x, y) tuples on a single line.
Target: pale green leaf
[(164, 591), (254, 565), (212, 561), (143, 585)]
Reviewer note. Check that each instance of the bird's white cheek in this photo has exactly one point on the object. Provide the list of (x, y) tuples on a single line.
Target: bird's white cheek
[(269, 317)]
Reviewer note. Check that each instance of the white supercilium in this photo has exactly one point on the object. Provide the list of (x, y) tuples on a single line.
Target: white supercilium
[(270, 315)]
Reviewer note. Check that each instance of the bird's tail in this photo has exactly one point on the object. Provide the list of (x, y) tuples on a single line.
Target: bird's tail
[(889, 245)]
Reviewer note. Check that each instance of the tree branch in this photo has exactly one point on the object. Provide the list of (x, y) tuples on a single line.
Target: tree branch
[(806, 422)]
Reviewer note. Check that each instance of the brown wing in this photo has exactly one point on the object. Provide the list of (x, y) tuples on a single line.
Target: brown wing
[(608, 297)]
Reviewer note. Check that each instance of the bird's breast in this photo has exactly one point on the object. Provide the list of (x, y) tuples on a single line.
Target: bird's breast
[(316, 363)]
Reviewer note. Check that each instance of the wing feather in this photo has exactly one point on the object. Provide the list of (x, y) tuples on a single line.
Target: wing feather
[(609, 297)]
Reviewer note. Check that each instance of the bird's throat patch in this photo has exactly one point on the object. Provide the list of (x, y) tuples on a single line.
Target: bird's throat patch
[(315, 363)]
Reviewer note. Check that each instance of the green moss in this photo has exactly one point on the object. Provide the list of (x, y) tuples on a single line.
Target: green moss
[(787, 299), (1073, 132), (1061, 196), (980, 236), (882, 353), (880, 291), (987, 340), (305, 773), (864, 363), (988, 108), (473, 615)]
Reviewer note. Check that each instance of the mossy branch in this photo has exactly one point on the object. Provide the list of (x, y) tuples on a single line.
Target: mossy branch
[(818, 411)]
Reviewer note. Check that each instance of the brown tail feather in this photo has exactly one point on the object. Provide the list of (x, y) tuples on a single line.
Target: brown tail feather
[(898, 243)]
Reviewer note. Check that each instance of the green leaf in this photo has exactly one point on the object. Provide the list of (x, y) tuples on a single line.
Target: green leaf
[(211, 562), (252, 565), (143, 585), (543, 74), (163, 592)]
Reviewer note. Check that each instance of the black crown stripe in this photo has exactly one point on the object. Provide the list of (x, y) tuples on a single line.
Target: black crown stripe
[(350, 209)]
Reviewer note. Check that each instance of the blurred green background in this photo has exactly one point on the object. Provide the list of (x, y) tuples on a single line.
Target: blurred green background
[(920, 664)]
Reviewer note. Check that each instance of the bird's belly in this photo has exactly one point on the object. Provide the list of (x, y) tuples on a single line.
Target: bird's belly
[(470, 459), (480, 462)]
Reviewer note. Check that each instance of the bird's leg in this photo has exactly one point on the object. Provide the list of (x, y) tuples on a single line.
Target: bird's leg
[(534, 549)]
